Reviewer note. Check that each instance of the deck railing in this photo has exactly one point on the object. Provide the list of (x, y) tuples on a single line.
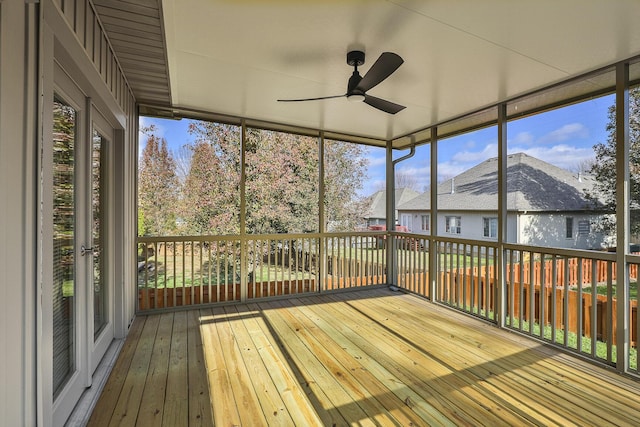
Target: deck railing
[(568, 298), (464, 271), (193, 270), (412, 263), (565, 297)]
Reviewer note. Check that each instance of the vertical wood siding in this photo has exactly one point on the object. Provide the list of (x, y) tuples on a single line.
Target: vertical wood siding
[(85, 23)]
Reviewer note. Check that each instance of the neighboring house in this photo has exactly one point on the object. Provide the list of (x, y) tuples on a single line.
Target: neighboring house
[(546, 205), (376, 214)]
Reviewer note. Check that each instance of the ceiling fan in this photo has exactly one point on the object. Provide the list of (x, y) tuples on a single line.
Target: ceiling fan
[(386, 64)]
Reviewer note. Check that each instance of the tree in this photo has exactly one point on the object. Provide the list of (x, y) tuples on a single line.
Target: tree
[(281, 181), (182, 157), (158, 186), (604, 168), (345, 172), (406, 180), (211, 193)]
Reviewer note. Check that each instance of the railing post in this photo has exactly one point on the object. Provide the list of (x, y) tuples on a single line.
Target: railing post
[(500, 281), (322, 241), (433, 219), (392, 271), (243, 220), (622, 215)]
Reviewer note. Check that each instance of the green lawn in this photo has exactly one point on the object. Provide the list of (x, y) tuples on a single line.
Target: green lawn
[(602, 290), (572, 342)]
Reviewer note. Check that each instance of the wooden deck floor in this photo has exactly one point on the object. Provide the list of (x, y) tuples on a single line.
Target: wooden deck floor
[(371, 357)]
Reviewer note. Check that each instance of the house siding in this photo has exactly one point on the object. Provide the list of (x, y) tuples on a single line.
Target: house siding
[(550, 230), (541, 229), (25, 73), (18, 207)]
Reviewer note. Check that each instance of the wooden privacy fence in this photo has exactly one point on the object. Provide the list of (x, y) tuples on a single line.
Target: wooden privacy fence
[(565, 275), (475, 287)]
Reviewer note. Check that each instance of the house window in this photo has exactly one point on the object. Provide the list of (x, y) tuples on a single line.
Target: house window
[(453, 224), (584, 227), (405, 221), (490, 227), (569, 227), (424, 222)]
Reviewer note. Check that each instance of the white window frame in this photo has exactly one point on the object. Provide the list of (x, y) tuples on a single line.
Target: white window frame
[(568, 227), (453, 224), (425, 222), (487, 230), (584, 227)]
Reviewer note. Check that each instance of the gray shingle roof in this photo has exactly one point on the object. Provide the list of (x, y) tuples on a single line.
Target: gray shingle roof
[(532, 185), (378, 204)]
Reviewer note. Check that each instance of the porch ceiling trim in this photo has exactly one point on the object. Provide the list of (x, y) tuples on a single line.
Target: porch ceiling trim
[(135, 29)]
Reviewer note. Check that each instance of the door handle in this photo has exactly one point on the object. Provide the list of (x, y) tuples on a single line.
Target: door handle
[(87, 251)]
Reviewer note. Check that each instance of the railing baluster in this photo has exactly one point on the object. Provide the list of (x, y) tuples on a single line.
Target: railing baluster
[(209, 294), (553, 311), (532, 291), (579, 326), (565, 302), (521, 306), (609, 313), (594, 308)]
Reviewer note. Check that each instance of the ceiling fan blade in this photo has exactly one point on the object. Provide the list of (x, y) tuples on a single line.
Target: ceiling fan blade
[(311, 99), (386, 64), (382, 104)]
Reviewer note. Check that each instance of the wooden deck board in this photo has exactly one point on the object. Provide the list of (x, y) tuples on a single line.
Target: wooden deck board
[(153, 395), (370, 357), (199, 400), (105, 406), (176, 409), (534, 376), (273, 408)]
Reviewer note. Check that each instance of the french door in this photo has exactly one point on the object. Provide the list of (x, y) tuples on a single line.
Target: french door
[(81, 296)]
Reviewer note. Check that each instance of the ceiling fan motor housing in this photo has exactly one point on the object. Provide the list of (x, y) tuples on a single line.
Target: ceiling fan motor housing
[(353, 83), (355, 58)]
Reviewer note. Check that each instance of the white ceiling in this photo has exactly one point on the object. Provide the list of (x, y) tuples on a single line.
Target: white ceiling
[(239, 57)]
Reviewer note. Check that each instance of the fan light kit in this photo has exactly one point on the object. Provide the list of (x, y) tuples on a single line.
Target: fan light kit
[(358, 86)]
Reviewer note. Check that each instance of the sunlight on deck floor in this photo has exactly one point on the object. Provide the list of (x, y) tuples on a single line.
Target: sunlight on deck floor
[(371, 357)]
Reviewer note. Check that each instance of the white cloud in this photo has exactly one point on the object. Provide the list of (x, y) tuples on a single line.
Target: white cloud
[(524, 138), (414, 171), (447, 170), (561, 155), (572, 130), (473, 158), (376, 161)]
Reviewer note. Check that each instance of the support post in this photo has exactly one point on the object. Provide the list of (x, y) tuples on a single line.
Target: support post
[(622, 215), (322, 242), (244, 267), (392, 275), (501, 283), (433, 246)]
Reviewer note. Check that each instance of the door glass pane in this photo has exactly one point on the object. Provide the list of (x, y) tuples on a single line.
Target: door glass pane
[(64, 134), (97, 226)]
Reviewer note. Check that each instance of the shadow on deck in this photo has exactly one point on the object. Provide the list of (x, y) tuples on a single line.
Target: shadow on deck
[(371, 357)]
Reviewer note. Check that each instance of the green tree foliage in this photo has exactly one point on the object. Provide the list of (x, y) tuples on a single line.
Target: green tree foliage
[(158, 186), (281, 182), (604, 168), (211, 194), (345, 172)]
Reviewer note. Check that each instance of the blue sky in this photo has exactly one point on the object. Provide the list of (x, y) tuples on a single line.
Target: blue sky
[(564, 137)]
